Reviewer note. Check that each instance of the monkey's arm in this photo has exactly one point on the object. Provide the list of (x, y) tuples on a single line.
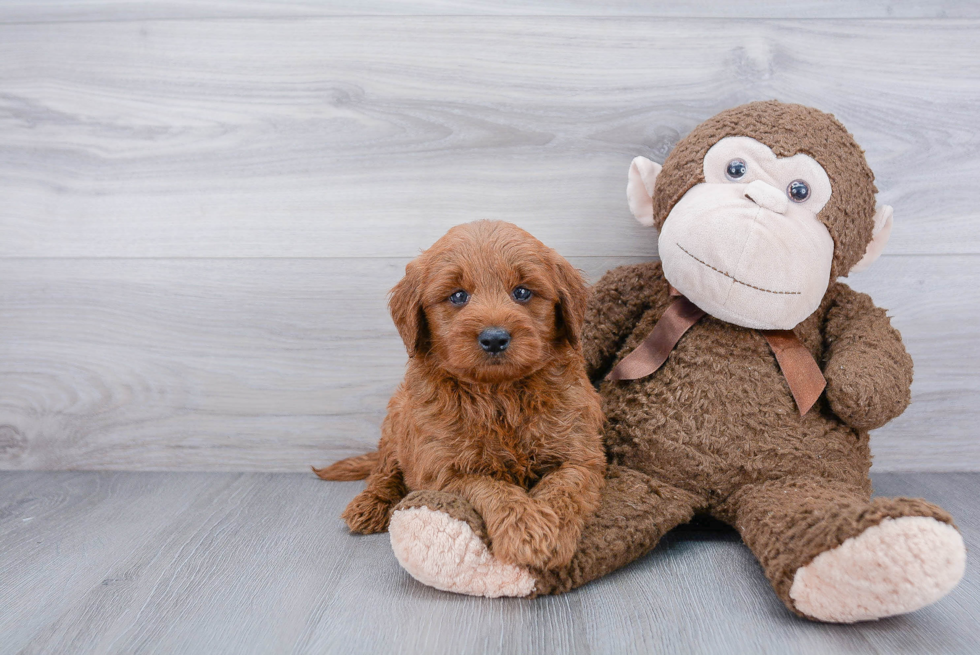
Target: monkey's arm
[(618, 301), (868, 371)]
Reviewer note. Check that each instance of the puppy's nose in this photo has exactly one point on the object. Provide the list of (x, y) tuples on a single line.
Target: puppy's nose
[(494, 340)]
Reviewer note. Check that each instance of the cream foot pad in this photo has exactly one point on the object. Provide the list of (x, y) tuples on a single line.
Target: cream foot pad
[(445, 553), (897, 566)]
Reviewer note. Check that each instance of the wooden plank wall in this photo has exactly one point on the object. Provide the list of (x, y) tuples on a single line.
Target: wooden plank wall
[(202, 204)]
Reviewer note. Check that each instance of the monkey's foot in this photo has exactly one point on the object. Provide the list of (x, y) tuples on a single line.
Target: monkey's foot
[(441, 541), (897, 566)]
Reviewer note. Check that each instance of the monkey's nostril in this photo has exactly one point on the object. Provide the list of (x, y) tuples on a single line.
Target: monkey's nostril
[(494, 340)]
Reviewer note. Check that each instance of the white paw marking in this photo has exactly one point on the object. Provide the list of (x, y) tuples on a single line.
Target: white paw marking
[(443, 552), (897, 566)]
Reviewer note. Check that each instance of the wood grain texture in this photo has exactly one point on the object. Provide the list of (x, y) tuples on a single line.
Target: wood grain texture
[(272, 365), (204, 203), (252, 563), (18, 11), (365, 136)]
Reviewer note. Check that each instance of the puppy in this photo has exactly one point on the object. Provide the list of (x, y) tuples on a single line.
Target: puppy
[(495, 405)]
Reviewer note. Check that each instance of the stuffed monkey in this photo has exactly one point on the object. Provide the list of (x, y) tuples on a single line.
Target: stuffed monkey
[(740, 380)]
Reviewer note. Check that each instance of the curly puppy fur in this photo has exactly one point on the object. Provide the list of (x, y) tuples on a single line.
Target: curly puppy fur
[(516, 434)]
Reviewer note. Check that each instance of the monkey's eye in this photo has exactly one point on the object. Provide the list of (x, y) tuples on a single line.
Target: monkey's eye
[(798, 191), (459, 298), (522, 294), (735, 170)]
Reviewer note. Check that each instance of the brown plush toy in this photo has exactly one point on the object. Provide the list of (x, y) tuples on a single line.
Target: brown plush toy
[(740, 380)]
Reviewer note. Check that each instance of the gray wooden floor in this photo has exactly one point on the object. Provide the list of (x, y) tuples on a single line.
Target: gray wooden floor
[(260, 563)]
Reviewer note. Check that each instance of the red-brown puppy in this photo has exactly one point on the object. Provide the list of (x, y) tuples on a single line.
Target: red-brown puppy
[(495, 405)]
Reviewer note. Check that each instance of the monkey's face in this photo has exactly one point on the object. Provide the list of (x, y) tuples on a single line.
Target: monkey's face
[(746, 245)]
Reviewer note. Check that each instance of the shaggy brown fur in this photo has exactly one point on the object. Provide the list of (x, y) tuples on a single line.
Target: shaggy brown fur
[(517, 435), (352, 468), (715, 430)]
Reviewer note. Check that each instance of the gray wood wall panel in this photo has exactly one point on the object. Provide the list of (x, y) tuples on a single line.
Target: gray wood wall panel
[(370, 136), (202, 205), (18, 11), (254, 364)]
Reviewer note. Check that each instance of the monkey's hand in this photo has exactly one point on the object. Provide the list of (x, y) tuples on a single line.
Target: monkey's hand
[(868, 371), (860, 395)]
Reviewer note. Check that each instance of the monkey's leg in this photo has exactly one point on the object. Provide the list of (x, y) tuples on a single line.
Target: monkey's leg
[(440, 540), (635, 512), (834, 554)]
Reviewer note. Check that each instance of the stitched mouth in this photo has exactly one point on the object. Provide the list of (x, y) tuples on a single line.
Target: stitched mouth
[(735, 279)]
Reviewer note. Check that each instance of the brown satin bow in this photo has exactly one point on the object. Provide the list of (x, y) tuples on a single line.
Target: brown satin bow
[(802, 373)]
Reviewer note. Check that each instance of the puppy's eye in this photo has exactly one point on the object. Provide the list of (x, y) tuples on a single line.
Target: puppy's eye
[(459, 297), (522, 294), (736, 169)]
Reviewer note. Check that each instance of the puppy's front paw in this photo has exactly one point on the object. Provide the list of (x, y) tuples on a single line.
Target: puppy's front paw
[(367, 513), (564, 548), (528, 537)]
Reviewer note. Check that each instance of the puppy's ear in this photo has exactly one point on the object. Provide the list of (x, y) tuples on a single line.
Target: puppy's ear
[(573, 295), (405, 305)]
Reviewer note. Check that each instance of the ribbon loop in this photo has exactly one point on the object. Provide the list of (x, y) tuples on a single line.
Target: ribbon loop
[(803, 375), (652, 353)]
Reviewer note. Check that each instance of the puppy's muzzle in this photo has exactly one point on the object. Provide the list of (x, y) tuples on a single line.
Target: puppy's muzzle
[(494, 340)]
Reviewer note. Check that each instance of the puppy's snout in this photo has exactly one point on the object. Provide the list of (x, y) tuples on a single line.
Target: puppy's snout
[(494, 340)]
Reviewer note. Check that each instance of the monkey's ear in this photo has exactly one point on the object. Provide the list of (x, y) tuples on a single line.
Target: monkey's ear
[(882, 230), (639, 189)]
